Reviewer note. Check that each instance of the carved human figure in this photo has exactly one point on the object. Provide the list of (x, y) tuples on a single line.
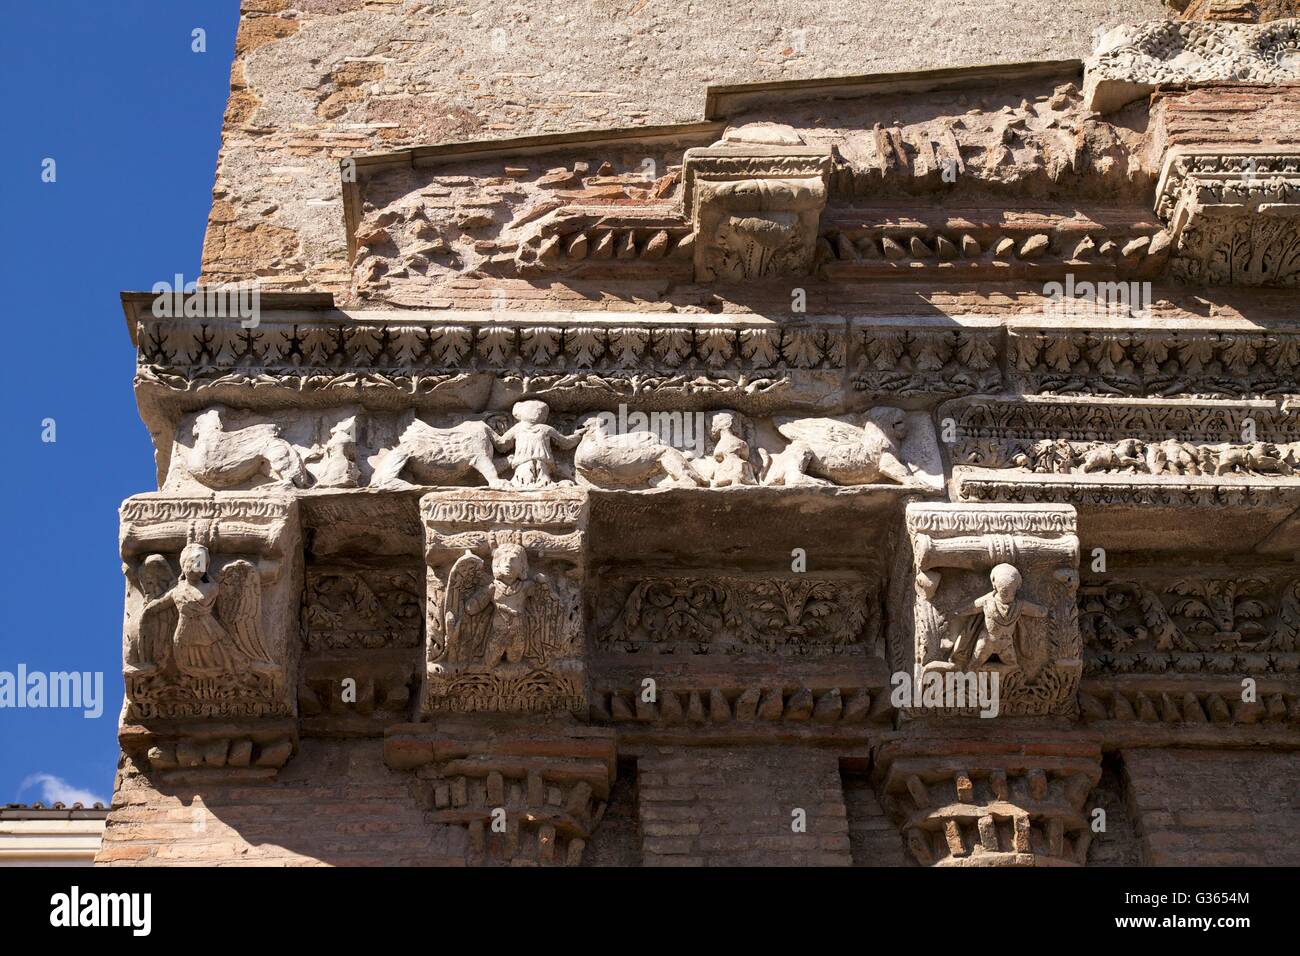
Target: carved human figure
[(532, 461), (336, 465), (151, 646), (202, 645), (222, 459), (994, 630), (825, 451), (509, 616), (728, 464)]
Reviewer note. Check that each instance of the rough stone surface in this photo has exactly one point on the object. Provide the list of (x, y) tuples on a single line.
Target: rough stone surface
[(314, 82)]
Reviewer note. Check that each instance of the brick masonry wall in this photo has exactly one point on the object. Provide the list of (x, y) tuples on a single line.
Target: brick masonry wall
[(1212, 808), (317, 80), (709, 806), (334, 803), (874, 839)]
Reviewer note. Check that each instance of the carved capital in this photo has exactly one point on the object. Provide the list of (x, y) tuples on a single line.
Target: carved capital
[(1234, 215), (755, 199)]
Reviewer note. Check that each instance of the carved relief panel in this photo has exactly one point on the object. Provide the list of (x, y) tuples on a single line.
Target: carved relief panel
[(994, 592), (212, 594), (504, 607), (1192, 619)]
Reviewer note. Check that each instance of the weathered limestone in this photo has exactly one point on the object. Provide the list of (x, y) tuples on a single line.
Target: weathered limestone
[(872, 454), (1132, 61)]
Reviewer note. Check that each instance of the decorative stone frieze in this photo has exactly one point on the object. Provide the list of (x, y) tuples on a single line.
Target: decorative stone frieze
[(1132, 61)]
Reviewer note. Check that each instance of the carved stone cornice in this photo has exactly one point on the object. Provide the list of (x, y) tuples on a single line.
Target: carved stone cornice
[(1131, 61), (1097, 491), (388, 359), (1115, 359), (1234, 214)]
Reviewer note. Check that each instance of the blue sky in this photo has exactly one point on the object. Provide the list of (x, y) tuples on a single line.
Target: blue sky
[(132, 117)]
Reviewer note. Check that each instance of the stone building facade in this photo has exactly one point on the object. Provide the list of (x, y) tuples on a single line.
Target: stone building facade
[(896, 468)]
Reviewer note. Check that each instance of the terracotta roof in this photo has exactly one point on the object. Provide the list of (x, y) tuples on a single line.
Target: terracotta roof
[(77, 811)]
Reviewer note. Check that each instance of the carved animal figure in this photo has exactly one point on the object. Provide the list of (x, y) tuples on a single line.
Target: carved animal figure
[(1260, 458), (222, 459), (1173, 457), (439, 456), (335, 461), (825, 451), (1126, 454), (636, 459)]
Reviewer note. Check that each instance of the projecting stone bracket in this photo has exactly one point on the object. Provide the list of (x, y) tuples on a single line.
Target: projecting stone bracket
[(755, 200), (992, 608), (505, 601), (1234, 215), (980, 804), (211, 639), (527, 793)]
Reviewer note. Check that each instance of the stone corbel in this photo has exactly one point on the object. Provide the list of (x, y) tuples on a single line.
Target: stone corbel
[(211, 643), (985, 804), (523, 795), (754, 200), (1233, 213), (504, 622), (994, 596)]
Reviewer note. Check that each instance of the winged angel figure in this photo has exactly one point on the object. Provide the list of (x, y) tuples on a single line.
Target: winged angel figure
[(506, 615), (214, 625)]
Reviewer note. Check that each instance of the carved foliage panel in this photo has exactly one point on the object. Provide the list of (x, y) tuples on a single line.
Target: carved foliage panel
[(722, 613), (1197, 619)]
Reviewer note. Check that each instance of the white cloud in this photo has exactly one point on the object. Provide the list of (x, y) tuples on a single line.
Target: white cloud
[(57, 790)]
